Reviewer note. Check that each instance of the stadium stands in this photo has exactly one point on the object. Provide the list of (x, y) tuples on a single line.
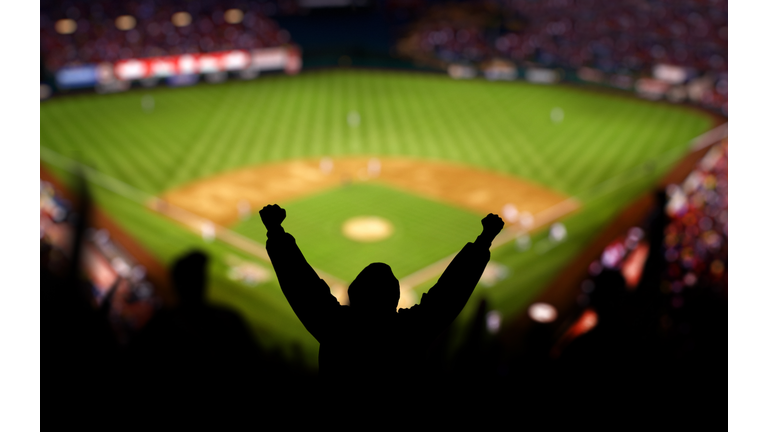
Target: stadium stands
[(114, 278), (696, 240), (610, 36), (605, 41), (93, 32)]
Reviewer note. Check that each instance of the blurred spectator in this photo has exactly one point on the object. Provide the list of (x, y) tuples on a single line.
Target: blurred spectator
[(197, 349), (95, 344), (78, 347)]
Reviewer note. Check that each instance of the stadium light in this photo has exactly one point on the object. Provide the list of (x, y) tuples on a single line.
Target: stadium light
[(125, 22), (66, 26), (233, 16), (181, 19)]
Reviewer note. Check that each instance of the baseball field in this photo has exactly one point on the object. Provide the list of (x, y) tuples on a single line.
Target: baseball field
[(371, 166)]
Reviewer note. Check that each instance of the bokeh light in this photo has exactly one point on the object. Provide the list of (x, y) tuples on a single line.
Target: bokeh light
[(181, 19), (558, 232), (526, 220), (66, 26), (125, 22), (233, 16), (147, 103), (353, 119), (557, 115), (523, 242), (493, 321), (542, 312), (510, 213), (45, 91)]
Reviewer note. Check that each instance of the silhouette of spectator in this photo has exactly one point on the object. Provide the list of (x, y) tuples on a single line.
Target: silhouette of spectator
[(197, 349), (605, 339), (78, 347), (370, 342), (615, 355)]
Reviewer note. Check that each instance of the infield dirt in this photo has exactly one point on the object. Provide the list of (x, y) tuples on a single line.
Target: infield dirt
[(219, 198)]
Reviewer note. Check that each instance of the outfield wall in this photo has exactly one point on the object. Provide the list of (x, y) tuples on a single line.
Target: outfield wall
[(107, 77)]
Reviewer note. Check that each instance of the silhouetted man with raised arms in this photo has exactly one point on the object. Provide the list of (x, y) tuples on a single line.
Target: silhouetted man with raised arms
[(370, 341)]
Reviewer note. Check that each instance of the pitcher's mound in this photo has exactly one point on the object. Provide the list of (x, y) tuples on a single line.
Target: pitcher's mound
[(367, 228)]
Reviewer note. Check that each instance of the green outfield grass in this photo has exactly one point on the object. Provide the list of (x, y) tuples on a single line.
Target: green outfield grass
[(607, 150)]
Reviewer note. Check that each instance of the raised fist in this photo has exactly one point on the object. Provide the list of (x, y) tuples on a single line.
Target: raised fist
[(272, 216), (492, 224)]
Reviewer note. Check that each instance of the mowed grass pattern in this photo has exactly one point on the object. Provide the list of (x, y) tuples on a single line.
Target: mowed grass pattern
[(203, 130), (600, 153)]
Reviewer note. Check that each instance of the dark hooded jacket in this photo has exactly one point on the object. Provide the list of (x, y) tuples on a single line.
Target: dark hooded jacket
[(360, 343)]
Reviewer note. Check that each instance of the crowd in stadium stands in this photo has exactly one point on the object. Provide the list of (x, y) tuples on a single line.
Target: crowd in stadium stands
[(114, 279), (611, 36), (83, 32), (695, 241), (621, 35), (625, 38)]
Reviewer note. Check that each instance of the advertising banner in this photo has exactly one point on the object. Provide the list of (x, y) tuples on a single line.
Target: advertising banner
[(208, 63), (650, 88), (270, 58), (670, 73), (542, 76), (179, 70), (76, 77)]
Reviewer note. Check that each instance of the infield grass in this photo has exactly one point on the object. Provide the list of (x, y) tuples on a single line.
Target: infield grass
[(425, 231)]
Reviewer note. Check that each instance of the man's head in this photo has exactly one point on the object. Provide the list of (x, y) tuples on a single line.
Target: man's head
[(375, 288)]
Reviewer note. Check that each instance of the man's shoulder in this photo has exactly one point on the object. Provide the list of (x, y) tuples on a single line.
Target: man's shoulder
[(342, 312), (421, 306), (407, 313)]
